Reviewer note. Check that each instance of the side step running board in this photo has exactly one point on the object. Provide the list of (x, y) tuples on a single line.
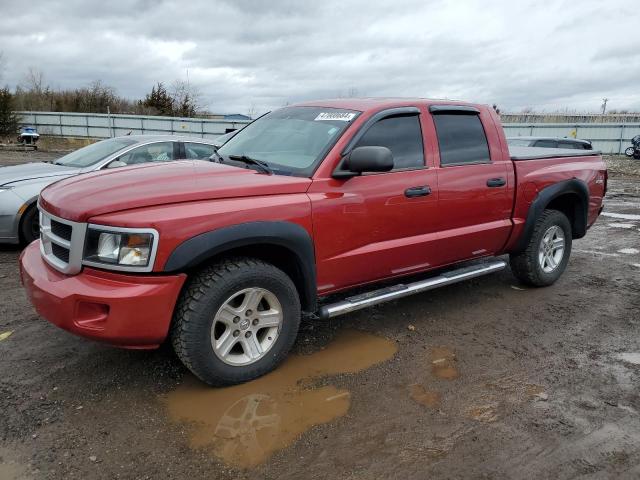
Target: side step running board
[(387, 294)]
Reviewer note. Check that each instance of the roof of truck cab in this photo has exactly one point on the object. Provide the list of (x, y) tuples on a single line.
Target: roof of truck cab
[(376, 103)]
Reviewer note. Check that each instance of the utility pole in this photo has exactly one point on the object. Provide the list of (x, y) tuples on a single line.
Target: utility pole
[(604, 105)]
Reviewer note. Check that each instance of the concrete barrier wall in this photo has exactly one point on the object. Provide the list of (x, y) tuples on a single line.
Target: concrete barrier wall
[(96, 125), (610, 138)]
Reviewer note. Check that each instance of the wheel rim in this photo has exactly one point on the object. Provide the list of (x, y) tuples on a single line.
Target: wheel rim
[(551, 249), (246, 326)]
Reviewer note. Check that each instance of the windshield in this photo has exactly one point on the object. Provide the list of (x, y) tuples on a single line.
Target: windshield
[(95, 152), (291, 140)]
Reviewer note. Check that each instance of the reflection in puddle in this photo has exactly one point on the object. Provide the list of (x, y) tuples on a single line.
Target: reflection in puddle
[(424, 397), (244, 424), (443, 363)]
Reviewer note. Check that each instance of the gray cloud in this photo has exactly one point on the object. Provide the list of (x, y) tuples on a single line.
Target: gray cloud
[(242, 53)]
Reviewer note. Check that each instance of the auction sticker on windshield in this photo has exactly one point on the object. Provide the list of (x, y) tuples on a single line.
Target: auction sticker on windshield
[(342, 116)]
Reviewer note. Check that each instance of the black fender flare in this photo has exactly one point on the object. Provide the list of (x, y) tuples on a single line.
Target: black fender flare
[(193, 251), (545, 197)]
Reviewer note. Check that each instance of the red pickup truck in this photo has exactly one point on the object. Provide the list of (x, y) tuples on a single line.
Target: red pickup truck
[(226, 257)]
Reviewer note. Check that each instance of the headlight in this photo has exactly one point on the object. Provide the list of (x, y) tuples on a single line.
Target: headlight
[(120, 249)]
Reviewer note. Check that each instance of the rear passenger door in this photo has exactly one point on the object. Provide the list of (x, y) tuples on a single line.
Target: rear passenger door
[(475, 198)]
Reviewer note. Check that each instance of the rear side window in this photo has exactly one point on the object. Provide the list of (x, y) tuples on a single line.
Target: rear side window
[(402, 135), (546, 144), (462, 139)]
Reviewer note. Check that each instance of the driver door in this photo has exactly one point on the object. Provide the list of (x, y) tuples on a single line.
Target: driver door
[(378, 225)]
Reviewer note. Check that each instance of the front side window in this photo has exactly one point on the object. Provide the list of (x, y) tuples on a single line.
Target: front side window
[(155, 152), (571, 145), (400, 134), (198, 151), (291, 140), (461, 139)]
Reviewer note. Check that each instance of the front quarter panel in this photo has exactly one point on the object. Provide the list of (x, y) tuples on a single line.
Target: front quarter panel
[(180, 222), (10, 204)]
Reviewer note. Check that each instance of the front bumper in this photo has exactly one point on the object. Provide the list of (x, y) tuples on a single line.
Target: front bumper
[(123, 310)]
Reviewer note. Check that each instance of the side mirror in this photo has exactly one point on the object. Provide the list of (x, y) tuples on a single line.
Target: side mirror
[(365, 159), (116, 163)]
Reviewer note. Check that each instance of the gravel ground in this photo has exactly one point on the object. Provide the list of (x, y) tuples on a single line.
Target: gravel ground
[(486, 379)]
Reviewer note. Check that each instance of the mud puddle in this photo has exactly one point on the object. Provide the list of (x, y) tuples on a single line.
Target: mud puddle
[(423, 396), (243, 425), (443, 363)]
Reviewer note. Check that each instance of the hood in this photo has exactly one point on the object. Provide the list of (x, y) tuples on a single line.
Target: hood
[(31, 171), (85, 196)]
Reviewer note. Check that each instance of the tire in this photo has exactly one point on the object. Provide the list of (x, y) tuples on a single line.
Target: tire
[(629, 151), (30, 225), (218, 312), (542, 263)]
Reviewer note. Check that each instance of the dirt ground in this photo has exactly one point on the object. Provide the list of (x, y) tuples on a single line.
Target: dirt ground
[(484, 379)]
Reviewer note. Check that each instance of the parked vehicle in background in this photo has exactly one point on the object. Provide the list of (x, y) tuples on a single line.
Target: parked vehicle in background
[(303, 205), (634, 149), (28, 136), (550, 142), (20, 185)]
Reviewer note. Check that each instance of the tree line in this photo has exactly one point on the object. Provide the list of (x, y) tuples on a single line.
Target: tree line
[(178, 99), (33, 94)]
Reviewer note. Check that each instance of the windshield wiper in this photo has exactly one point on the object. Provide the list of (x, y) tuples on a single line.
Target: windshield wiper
[(252, 161)]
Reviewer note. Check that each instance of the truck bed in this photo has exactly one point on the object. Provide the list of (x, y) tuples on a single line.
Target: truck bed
[(533, 153)]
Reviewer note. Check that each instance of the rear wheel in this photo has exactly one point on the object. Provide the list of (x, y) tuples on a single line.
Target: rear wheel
[(547, 253), (30, 225), (236, 320), (629, 151)]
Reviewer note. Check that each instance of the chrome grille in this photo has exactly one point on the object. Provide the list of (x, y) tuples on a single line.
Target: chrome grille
[(61, 242)]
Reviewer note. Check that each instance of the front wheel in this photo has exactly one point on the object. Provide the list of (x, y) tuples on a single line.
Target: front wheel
[(629, 151), (235, 321), (547, 253), (30, 225)]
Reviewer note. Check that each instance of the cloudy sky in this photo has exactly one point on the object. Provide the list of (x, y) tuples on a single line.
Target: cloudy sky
[(256, 55)]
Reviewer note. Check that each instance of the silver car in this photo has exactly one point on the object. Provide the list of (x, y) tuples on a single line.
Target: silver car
[(20, 185)]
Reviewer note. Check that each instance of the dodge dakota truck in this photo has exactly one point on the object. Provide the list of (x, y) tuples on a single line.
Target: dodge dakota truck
[(387, 197)]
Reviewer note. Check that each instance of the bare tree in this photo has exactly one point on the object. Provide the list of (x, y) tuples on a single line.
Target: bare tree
[(186, 98), (34, 80), (252, 111)]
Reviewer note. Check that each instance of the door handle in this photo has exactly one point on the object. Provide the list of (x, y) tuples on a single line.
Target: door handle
[(496, 182), (422, 191)]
